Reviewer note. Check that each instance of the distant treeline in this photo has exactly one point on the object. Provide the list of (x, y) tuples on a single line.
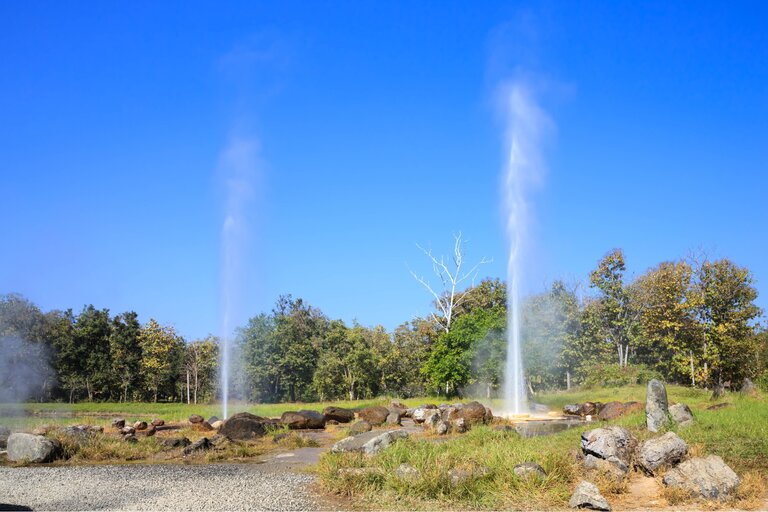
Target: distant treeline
[(688, 322)]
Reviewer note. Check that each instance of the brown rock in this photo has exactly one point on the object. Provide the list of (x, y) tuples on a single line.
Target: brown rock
[(158, 422), (376, 416), (243, 426), (303, 419), (338, 414), (196, 418), (473, 413), (140, 425)]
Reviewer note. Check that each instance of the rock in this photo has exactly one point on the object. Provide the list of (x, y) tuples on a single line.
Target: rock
[(175, 442), (158, 422), (150, 430), (442, 428), (369, 443), (217, 425), (432, 418), (458, 476), (529, 470), (4, 433), (660, 452), (213, 419), (613, 467), (572, 409), (140, 425), (588, 496), (681, 414), (473, 413), (707, 477), (338, 414), (200, 445), (748, 388), (409, 412), (459, 425), (488, 415), (244, 426), (613, 410), (127, 431), (419, 414), (718, 406), (204, 426), (718, 392), (118, 422), (196, 418), (360, 427), (609, 442), (374, 415), (303, 420), (656, 406), (130, 438), (32, 448), (393, 418), (77, 432), (407, 473)]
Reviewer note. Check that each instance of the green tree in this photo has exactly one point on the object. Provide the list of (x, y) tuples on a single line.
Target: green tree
[(92, 332), (200, 366), (125, 352), (161, 350)]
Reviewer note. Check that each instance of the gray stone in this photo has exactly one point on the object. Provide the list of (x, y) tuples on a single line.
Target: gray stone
[(529, 470), (32, 448), (369, 443), (127, 431), (407, 473), (419, 414), (4, 433), (360, 427), (609, 442), (613, 467), (130, 438), (681, 414), (458, 476), (118, 422), (707, 477), (459, 425), (200, 445), (661, 452), (588, 496), (175, 442), (393, 418), (656, 406), (442, 428), (431, 418)]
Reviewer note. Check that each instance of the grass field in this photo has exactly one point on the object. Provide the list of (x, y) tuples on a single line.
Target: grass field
[(738, 433)]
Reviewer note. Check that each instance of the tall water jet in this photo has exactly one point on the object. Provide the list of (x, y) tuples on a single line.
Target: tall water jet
[(238, 169), (523, 169)]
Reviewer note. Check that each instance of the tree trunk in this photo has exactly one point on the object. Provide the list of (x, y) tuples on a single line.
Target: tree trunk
[(693, 371), (197, 383), (188, 387), (446, 389), (568, 380)]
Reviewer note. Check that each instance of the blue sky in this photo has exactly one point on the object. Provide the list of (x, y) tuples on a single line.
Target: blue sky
[(378, 129)]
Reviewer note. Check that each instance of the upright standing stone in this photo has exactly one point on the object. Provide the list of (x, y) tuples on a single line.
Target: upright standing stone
[(656, 406)]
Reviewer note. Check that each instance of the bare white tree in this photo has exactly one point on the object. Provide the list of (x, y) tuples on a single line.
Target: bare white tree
[(452, 275)]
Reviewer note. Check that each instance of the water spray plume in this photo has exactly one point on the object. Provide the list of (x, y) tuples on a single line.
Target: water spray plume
[(238, 167), (523, 170)]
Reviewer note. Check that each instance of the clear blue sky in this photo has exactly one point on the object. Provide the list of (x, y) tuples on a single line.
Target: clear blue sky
[(377, 129)]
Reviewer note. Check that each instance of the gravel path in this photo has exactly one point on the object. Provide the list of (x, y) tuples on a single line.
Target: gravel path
[(157, 487)]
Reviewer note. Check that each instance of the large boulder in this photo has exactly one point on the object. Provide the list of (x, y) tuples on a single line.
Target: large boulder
[(609, 442), (32, 448), (611, 468), (419, 414), (303, 419), (656, 406), (338, 414), (376, 416), (613, 410), (243, 426), (660, 452), (707, 477), (681, 414), (369, 443), (393, 418), (473, 413), (588, 496)]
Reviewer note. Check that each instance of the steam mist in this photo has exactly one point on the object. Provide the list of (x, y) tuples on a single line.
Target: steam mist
[(238, 166), (526, 122), (24, 370)]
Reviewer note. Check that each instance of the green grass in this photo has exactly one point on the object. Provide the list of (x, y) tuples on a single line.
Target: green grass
[(738, 433)]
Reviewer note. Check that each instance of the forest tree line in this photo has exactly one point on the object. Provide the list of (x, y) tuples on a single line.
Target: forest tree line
[(693, 323)]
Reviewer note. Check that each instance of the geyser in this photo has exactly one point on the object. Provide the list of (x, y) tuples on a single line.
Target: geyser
[(523, 169), (238, 168)]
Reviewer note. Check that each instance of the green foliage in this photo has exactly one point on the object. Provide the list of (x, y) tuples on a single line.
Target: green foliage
[(161, 351), (612, 375)]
